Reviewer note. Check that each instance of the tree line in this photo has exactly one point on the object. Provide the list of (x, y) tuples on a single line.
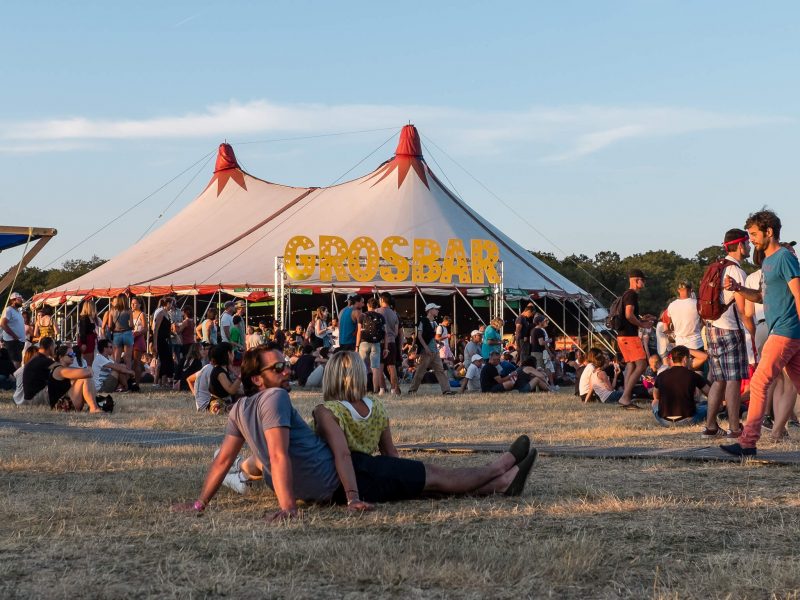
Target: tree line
[(606, 275)]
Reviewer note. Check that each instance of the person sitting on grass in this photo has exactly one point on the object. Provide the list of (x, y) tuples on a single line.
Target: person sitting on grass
[(198, 383), (599, 384), (471, 382), (530, 378), (19, 391), (109, 375), (675, 389), (69, 388), (492, 381), (297, 464), (225, 389)]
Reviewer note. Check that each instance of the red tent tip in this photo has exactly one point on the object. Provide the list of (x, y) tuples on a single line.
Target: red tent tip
[(409, 144), (226, 159)]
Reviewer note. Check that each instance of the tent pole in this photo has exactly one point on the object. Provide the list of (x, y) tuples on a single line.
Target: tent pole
[(454, 342), (416, 318), (246, 314), (149, 318), (194, 310), (472, 308), (511, 308), (289, 309)]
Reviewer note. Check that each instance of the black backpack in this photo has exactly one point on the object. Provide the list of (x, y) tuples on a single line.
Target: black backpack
[(616, 315), (372, 327)]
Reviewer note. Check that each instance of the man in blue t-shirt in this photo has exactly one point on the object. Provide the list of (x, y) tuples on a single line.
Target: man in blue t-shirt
[(348, 322), (780, 294)]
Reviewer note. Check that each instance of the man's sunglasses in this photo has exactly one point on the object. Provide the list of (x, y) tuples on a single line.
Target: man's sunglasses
[(278, 367)]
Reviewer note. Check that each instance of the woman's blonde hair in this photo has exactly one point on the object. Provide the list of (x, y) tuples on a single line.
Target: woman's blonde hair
[(89, 309), (320, 313), (344, 378), (497, 324)]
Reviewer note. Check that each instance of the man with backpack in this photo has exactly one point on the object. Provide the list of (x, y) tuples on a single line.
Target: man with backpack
[(625, 312), (428, 353), (780, 293), (723, 312), (372, 342)]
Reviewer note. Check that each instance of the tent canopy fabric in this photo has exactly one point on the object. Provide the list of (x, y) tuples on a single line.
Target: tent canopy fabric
[(228, 238)]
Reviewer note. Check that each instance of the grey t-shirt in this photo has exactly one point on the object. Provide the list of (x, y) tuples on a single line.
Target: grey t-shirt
[(392, 322), (313, 470)]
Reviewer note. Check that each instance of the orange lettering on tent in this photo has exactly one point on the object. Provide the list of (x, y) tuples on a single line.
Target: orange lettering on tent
[(299, 266), (455, 262), (330, 262), (370, 269), (426, 268), (394, 260), (484, 256)]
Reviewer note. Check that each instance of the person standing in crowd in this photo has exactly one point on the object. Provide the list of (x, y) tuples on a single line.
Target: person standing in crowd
[(522, 333), (226, 321), (140, 325), (726, 344), (162, 328), (492, 338), (12, 328), (44, 325), (685, 320), (780, 294), (474, 344), (334, 333), (321, 337), (118, 322), (428, 354), (372, 343), (241, 312), (348, 322), (443, 341), (208, 330), (630, 344), (253, 339), (88, 323), (185, 330), (390, 359)]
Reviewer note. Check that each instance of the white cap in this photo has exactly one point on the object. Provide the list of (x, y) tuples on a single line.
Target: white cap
[(476, 357), (431, 306), (475, 332), (15, 296)]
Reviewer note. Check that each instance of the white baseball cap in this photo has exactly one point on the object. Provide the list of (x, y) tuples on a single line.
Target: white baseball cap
[(476, 357), (475, 332), (16, 296), (431, 306)]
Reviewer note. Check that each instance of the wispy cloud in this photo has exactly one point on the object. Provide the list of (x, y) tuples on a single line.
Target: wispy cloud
[(559, 133)]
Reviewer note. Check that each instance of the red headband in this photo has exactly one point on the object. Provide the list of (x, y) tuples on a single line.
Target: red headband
[(736, 241)]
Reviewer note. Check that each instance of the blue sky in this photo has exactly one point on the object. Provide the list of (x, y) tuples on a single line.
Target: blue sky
[(619, 125)]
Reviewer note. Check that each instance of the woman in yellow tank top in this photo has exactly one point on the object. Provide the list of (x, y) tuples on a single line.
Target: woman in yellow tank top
[(44, 326)]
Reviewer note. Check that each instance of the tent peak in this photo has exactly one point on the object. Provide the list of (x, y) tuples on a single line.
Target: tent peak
[(409, 144), (226, 159)]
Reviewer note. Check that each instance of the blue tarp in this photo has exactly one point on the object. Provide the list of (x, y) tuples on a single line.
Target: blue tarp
[(10, 240)]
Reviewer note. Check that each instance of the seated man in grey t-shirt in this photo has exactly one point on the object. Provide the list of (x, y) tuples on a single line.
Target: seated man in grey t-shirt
[(297, 464)]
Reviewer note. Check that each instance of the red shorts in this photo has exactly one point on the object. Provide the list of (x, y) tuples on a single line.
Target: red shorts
[(631, 348)]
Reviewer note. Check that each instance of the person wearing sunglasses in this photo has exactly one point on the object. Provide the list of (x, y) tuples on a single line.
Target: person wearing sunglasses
[(69, 388), (299, 465)]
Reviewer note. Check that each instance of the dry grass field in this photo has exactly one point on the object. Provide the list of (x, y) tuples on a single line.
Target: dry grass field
[(92, 520)]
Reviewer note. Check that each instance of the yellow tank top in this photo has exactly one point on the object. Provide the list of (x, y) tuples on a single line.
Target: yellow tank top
[(362, 435)]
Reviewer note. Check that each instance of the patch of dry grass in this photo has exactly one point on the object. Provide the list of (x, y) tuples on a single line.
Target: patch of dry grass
[(92, 520)]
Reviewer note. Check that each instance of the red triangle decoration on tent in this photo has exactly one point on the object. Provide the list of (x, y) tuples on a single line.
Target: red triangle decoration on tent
[(407, 156), (227, 168)]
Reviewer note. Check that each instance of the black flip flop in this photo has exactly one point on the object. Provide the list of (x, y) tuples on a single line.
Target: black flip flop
[(520, 448), (518, 485)]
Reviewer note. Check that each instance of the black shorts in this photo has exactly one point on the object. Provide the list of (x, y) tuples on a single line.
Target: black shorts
[(385, 479), (391, 355), (14, 348)]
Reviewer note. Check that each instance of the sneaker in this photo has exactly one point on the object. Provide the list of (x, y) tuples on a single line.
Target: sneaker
[(731, 434), (450, 393), (394, 392), (106, 404), (236, 483), (738, 450), (381, 392), (712, 433), (793, 423), (236, 467), (767, 423)]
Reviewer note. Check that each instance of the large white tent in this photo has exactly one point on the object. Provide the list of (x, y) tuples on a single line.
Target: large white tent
[(228, 239)]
